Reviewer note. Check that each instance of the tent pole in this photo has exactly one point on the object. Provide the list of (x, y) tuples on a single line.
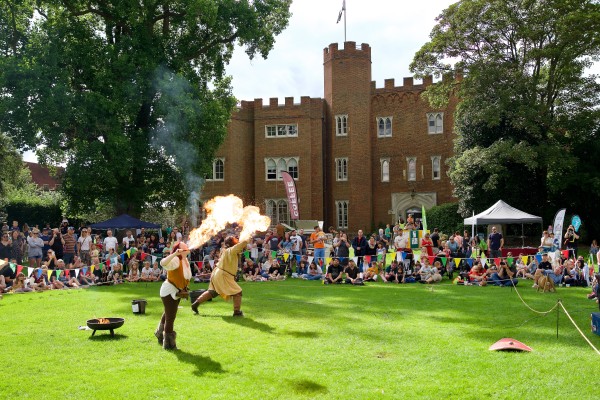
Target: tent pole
[(522, 236)]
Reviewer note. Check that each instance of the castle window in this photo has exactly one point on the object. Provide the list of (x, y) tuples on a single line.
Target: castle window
[(412, 168), (218, 170), (341, 125), (283, 130), (435, 123), (292, 166), (341, 167), (342, 214), (435, 167), (271, 209), (274, 167), (277, 210), (385, 169), (384, 126)]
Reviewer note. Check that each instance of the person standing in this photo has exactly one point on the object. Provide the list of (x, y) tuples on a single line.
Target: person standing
[(36, 244), (173, 289), (495, 243), (84, 245), (110, 242), (70, 243), (571, 241), (317, 239), (222, 279), (359, 244)]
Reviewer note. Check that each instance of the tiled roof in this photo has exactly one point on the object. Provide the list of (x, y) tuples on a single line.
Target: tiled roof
[(42, 176)]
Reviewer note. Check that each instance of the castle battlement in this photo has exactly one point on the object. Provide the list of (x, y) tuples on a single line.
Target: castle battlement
[(288, 103), (350, 50), (408, 83)]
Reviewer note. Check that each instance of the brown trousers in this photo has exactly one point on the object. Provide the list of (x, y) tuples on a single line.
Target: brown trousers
[(170, 313)]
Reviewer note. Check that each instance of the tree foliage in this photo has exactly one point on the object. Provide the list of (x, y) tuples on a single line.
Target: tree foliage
[(11, 166), (131, 95), (446, 218), (519, 70)]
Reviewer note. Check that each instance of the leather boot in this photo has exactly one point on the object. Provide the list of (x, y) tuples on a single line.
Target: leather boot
[(237, 304), (159, 332), (205, 296), (169, 341)]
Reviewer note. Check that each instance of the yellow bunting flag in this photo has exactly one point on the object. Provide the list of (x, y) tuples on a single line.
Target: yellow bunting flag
[(457, 261), (49, 272), (525, 259), (327, 260), (128, 252), (351, 252), (92, 268), (286, 256), (389, 258)]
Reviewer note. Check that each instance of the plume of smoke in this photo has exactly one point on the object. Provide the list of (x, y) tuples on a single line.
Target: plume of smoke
[(169, 135)]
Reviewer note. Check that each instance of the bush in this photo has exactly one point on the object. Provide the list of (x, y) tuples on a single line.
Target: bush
[(446, 218)]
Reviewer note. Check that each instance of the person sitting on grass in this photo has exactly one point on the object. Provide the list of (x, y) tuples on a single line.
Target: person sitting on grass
[(20, 285), (39, 279), (116, 275), (374, 272), (504, 276), (334, 272), (86, 278), (393, 273), (302, 268), (65, 276), (314, 272), (478, 275), (251, 271), (134, 273), (353, 274), (146, 273), (435, 276), (156, 272), (55, 283), (275, 272)]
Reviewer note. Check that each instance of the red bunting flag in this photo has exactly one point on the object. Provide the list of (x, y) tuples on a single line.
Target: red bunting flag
[(431, 259), (497, 261), (368, 259), (565, 253), (143, 256), (19, 269)]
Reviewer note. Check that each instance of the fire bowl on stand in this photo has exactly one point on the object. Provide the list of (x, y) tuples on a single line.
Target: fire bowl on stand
[(105, 324)]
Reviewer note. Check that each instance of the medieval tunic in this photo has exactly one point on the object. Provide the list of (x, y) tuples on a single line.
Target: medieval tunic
[(222, 279)]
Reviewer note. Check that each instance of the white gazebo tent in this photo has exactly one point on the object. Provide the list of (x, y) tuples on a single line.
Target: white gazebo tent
[(502, 213)]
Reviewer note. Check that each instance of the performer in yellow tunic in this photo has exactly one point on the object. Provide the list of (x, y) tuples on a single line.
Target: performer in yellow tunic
[(222, 279)]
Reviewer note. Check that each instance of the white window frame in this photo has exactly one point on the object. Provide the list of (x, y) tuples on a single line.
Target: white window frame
[(283, 164), (341, 212), (341, 169), (213, 176), (409, 176), (384, 126), (281, 130), (274, 208), (341, 125), (433, 169), (435, 123), (385, 175)]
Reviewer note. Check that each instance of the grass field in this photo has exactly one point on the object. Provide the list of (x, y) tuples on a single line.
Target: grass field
[(301, 339)]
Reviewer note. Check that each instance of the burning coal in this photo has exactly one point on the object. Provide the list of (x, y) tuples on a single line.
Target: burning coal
[(221, 211)]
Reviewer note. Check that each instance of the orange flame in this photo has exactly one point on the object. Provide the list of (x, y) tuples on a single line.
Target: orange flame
[(221, 211)]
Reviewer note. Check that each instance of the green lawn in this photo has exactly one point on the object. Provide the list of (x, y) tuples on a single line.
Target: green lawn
[(301, 339)]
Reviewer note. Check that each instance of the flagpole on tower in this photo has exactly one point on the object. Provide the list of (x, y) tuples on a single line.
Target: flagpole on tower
[(343, 11)]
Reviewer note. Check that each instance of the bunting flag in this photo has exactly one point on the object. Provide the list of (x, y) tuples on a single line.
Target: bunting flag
[(525, 259), (85, 269), (399, 256), (133, 250), (286, 256), (273, 254), (128, 252), (108, 262), (431, 259), (143, 256), (565, 253), (212, 263), (351, 252), (509, 261), (298, 258), (389, 258), (457, 260), (49, 273), (497, 261), (367, 259), (538, 257), (199, 264), (470, 262), (58, 273), (328, 260), (552, 256), (403, 255), (444, 261), (77, 272), (355, 259), (123, 258), (30, 271), (154, 259), (310, 260), (246, 254), (39, 272), (19, 269), (379, 257), (12, 266)]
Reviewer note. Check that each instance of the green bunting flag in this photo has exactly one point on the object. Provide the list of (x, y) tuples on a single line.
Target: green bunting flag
[(274, 254), (247, 254), (13, 267), (444, 260)]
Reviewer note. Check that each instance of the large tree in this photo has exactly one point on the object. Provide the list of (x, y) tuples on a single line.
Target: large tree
[(519, 70), (130, 94)]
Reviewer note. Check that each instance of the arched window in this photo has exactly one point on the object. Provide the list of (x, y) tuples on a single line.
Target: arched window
[(219, 170), (435, 167), (283, 214), (385, 170), (412, 169), (281, 166), (435, 123), (388, 127), (271, 170), (271, 210), (292, 168)]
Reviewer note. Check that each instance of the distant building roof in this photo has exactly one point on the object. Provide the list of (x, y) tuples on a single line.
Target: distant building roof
[(42, 176)]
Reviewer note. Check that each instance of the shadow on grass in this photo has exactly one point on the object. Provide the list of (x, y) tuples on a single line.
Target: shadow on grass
[(308, 387), (250, 323), (303, 334), (107, 337), (203, 364)]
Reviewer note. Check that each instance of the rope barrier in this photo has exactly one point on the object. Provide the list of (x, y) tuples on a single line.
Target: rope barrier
[(579, 330), (527, 305)]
